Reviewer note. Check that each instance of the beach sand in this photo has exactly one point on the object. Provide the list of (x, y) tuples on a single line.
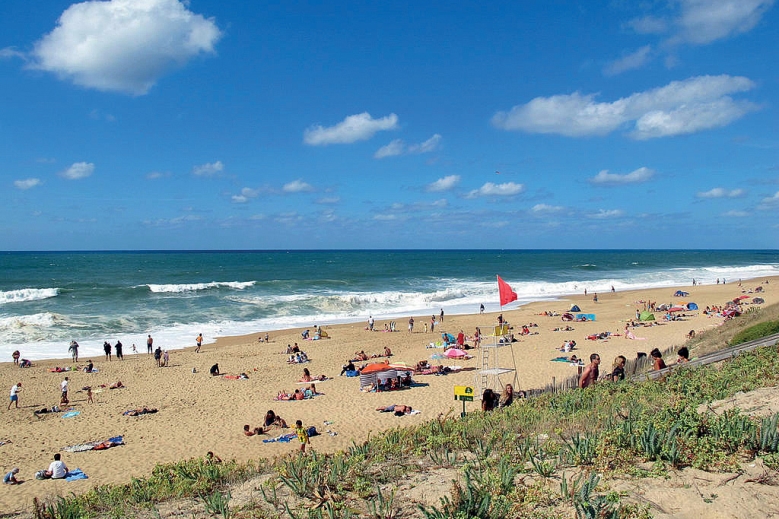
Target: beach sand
[(198, 413)]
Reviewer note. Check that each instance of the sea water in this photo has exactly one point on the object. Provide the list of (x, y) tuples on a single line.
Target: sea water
[(48, 299)]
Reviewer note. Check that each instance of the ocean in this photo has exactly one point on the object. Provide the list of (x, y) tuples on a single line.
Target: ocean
[(48, 299)]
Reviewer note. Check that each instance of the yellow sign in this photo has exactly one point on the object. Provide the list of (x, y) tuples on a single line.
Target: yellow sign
[(463, 391)]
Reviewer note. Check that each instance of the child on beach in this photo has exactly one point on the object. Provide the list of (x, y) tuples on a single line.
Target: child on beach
[(89, 395), (302, 435)]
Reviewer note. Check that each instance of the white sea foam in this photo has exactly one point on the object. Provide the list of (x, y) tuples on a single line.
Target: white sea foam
[(192, 287), (27, 294), (46, 335)]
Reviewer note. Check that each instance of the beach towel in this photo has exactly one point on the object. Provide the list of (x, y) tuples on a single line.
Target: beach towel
[(71, 414), (283, 438), (630, 335), (76, 474), (561, 359), (95, 446)]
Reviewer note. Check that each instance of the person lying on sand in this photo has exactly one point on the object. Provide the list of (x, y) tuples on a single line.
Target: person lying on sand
[(398, 409), (116, 385), (248, 431), (140, 411), (360, 356)]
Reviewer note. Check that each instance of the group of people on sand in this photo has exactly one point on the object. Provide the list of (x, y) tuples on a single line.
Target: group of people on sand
[(271, 421), (361, 356)]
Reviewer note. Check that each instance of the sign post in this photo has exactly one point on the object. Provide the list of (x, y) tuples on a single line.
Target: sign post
[(464, 394)]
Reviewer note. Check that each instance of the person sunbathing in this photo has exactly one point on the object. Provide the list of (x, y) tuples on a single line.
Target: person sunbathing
[(116, 385), (306, 376), (283, 395), (360, 356), (248, 431), (140, 411), (398, 409)]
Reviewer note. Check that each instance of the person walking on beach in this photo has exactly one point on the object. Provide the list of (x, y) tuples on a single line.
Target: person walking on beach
[(590, 373), (410, 325), (432, 324), (107, 350), (302, 435), (64, 388), (15, 395), (481, 308), (119, 350), (149, 343), (158, 356), (73, 349), (199, 342), (165, 358), (371, 322), (442, 315)]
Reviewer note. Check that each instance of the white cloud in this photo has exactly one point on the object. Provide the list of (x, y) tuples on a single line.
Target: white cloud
[(681, 107), (544, 208), (328, 200), (603, 214), (246, 194), (704, 21), (208, 169), (398, 147), (772, 200), (359, 127), (392, 149), (11, 52), (491, 189), (27, 183), (648, 25), (154, 175), (642, 174), (444, 184), (297, 186), (719, 192), (629, 62), (426, 147), (736, 214), (124, 45), (78, 171)]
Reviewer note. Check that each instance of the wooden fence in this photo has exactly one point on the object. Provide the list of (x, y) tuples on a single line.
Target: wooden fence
[(639, 368)]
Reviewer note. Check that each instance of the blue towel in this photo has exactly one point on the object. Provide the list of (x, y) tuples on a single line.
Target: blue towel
[(71, 414), (73, 475)]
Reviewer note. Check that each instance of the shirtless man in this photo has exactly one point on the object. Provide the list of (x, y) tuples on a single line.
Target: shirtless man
[(590, 373)]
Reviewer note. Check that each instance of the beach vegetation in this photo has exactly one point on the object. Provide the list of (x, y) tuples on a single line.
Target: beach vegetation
[(550, 456)]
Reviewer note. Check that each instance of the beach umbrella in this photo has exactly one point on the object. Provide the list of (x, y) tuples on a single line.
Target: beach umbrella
[(375, 368), (455, 353)]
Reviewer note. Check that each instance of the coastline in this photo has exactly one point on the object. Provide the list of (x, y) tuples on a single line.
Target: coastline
[(199, 413)]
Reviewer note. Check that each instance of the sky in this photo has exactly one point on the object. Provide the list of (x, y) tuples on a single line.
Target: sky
[(204, 124)]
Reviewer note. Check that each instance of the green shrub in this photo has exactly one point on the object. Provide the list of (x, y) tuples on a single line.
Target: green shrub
[(755, 332)]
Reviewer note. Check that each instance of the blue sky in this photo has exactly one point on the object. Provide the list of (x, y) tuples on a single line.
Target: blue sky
[(162, 124)]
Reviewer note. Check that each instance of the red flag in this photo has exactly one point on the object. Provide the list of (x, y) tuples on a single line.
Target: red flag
[(507, 295)]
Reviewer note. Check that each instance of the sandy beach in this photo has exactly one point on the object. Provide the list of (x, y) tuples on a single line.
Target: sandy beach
[(197, 412)]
